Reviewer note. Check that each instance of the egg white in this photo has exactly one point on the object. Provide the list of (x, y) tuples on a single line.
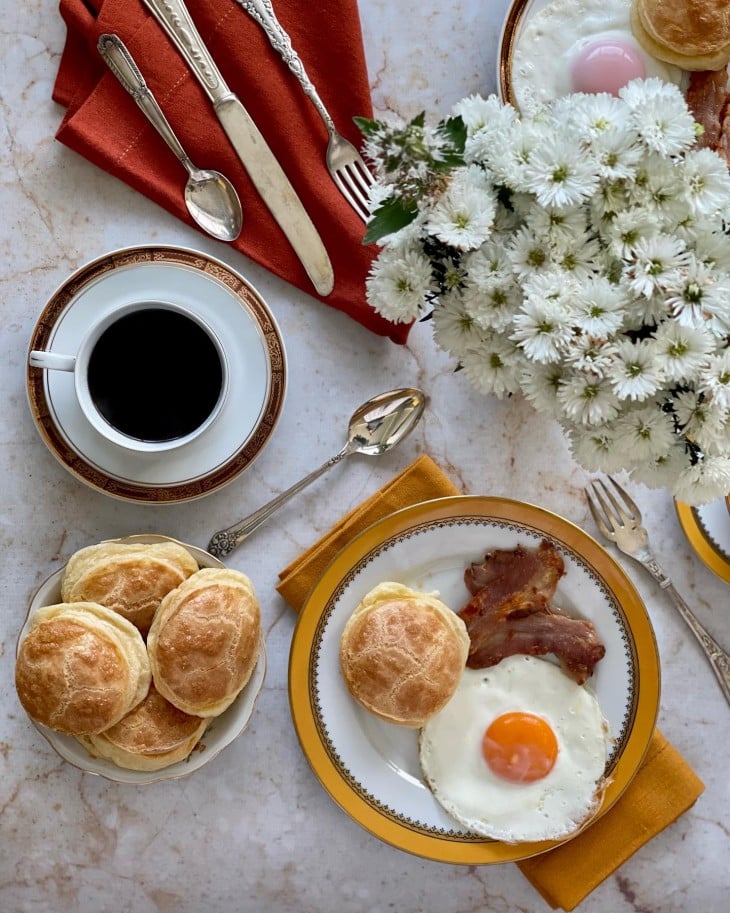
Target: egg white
[(450, 753), (552, 38)]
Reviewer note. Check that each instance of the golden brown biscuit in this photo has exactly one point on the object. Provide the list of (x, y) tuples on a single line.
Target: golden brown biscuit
[(152, 736), (131, 578), (402, 654), (691, 34), (81, 668), (204, 641)]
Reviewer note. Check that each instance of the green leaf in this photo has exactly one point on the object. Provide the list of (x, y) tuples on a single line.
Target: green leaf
[(455, 129), (390, 217), (366, 125)]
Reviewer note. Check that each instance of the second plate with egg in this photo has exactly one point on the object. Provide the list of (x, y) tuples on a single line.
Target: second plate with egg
[(538, 48), (370, 767)]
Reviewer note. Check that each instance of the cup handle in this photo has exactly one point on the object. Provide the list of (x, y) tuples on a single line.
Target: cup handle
[(51, 360)]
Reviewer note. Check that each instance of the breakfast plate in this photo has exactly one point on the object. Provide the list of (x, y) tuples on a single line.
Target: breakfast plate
[(707, 529), (535, 56), (370, 767), (220, 733), (255, 355)]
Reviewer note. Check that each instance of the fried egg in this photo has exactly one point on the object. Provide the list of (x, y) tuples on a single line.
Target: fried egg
[(519, 752), (580, 46)]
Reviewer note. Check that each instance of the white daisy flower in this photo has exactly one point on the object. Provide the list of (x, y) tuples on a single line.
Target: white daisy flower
[(559, 226), (487, 264), (528, 254), (493, 304), (699, 296), (542, 329), (398, 282), (701, 420), (645, 433), (660, 116), (592, 354), (509, 157), (706, 481), (635, 372), (653, 261), (712, 246), (598, 307), (493, 367), (587, 399), (578, 257), (463, 215), (595, 116), (707, 179), (597, 450), (617, 153), (540, 384), (627, 228), (682, 351), (658, 187), (713, 379), (454, 329), (560, 173), (662, 471)]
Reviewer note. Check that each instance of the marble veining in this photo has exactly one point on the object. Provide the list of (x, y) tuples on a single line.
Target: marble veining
[(254, 830)]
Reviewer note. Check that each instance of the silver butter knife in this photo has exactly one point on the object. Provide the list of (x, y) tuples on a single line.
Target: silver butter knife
[(257, 158)]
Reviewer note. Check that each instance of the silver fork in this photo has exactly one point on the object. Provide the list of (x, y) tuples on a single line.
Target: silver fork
[(619, 519), (344, 162)]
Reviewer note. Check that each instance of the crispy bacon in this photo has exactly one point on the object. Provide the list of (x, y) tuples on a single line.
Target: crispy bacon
[(707, 99), (510, 612)]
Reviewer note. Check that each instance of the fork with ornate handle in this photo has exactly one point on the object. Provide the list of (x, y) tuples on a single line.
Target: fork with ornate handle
[(620, 521), (345, 163)]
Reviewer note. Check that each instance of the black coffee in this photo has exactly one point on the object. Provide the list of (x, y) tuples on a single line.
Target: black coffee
[(155, 375)]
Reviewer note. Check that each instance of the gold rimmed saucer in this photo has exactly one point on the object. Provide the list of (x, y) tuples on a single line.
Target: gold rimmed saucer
[(254, 350), (707, 530)]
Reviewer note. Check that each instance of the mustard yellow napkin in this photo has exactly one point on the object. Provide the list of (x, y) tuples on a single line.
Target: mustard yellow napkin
[(662, 790)]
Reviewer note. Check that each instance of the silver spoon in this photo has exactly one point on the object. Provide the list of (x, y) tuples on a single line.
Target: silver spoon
[(375, 427), (210, 197)]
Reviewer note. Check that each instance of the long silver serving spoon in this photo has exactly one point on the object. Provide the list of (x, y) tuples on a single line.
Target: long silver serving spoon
[(375, 427), (210, 197)]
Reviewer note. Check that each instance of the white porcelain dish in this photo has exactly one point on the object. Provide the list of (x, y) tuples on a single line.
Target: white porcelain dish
[(221, 732)]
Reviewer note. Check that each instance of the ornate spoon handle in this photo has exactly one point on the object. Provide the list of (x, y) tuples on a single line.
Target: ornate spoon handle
[(225, 541), (123, 66), (263, 12)]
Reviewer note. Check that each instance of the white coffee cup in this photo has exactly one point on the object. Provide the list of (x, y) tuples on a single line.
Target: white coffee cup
[(149, 376)]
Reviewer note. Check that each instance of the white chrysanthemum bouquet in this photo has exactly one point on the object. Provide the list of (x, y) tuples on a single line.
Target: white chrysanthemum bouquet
[(579, 257)]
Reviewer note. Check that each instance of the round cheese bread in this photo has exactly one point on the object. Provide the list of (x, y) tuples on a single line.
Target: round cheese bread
[(205, 640), (80, 668), (131, 578), (402, 654)]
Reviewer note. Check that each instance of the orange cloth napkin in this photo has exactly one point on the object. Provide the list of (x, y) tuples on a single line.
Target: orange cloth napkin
[(663, 788), (104, 124)]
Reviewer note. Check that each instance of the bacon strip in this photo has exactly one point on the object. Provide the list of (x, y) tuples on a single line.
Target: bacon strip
[(510, 612)]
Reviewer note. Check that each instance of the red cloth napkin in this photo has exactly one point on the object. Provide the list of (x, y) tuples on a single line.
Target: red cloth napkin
[(104, 124)]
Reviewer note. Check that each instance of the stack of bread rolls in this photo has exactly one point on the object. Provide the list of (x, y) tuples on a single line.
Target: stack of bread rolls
[(691, 34), (144, 650)]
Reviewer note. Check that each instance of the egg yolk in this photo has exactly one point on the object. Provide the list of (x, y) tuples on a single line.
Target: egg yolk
[(520, 747), (606, 66)]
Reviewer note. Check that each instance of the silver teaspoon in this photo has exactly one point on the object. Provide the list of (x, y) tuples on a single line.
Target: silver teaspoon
[(210, 197), (375, 427)]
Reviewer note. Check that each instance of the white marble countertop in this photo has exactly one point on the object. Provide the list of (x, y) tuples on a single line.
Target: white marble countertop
[(254, 830)]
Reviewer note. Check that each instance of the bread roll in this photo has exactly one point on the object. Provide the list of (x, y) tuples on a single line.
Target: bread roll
[(402, 654), (81, 668), (130, 578), (691, 34), (152, 736), (204, 641)]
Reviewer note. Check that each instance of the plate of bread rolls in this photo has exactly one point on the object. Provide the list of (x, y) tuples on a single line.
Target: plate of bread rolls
[(141, 659)]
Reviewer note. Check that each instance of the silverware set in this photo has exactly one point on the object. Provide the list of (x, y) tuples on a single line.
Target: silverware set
[(619, 520), (210, 197)]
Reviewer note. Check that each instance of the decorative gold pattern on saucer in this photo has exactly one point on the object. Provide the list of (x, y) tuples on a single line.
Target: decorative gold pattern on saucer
[(79, 464), (378, 785)]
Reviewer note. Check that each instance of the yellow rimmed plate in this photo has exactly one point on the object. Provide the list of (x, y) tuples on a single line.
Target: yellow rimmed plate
[(707, 529), (369, 767)]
